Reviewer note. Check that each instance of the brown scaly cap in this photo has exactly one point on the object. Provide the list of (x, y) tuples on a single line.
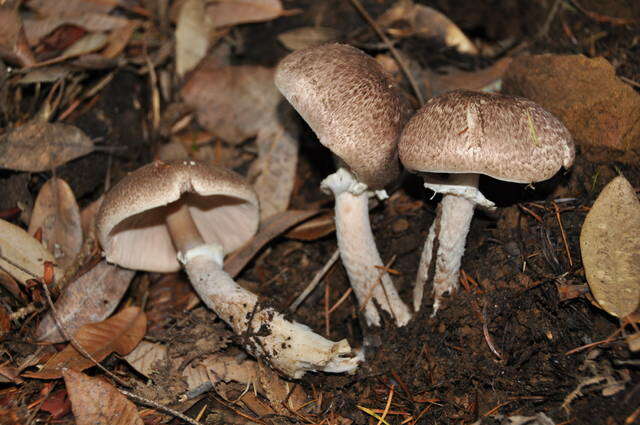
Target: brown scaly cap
[(505, 137), (131, 222), (351, 104)]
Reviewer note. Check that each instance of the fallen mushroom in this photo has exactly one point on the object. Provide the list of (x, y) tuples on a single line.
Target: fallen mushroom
[(196, 213), (358, 113), (465, 134)]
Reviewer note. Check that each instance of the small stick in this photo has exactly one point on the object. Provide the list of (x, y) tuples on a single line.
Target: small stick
[(487, 335), (341, 300), (386, 408), (314, 282), (394, 52), (327, 292), (564, 235)]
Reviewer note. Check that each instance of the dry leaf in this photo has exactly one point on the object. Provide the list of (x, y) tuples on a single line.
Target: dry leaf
[(301, 38), (610, 247), (232, 102), (56, 213), (233, 12), (88, 217), (276, 167), (270, 229), (96, 402), (120, 333), (71, 7), (22, 250), (192, 35), (90, 298), (36, 29), (10, 284), (147, 356), (168, 297), (119, 38), (315, 228), (487, 79), (40, 146), (13, 43), (89, 43), (425, 22)]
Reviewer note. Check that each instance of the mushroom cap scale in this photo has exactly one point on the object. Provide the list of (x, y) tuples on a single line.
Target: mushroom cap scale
[(131, 223), (506, 137), (352, 105)]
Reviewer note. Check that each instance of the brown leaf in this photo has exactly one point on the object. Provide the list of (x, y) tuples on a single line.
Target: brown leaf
[(147, 356), (57, 404), (10, 284), (168, 297), (90, 298), (88, 217), (315, 228), (25, 254), (120, 333), (301, 38), (13, 42), (40, 146), (479, 80), (232, 102), (57, 214), (36, 29), (96, 402), (610, 247), (192, 35), (422, 21), (233, 12), (71, 7), (270, 229), (119, 38)]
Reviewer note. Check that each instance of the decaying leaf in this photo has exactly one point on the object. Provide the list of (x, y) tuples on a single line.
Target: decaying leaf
[(91, 42), (120, 333), (147, 356), (487, 79), (315, 228), (301, 38), (40, 146), (56, 213), (13, 43), (233, 12), (88, 299), (71, 7), (171, 295), (192, 35), (423, 21), (232, 102), (276, 167), (23, 251), (265, 380), (35, 29), (610, 247), (96, 402)]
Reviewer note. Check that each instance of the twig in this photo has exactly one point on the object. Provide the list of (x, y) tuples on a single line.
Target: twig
[(314, 282), (564, 235), (340, 301), (160, 407), (386, 408), (487, 335), (394, 52)]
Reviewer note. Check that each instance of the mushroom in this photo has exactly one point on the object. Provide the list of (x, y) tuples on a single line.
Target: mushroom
[(358, 113), (465, 134), (167, 213)]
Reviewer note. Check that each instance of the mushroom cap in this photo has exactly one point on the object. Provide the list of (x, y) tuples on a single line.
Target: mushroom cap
[(352, 105), (131, 221), (506, 137)]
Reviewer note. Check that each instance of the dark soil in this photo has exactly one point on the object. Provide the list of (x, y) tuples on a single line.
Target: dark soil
[(501, 345)]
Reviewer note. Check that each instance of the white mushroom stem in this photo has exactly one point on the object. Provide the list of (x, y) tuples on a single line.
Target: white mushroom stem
[(358, 250), (450, 229), (287, 346)]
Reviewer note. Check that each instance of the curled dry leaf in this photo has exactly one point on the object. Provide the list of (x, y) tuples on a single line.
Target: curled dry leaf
[(301, 38), (147, 356), (120, 333), (425, 22), (40, 146), (56, 213), (610, 247), (13, 42), (88, 299), (233, 12), (23, 251), (315, 228), (192, 35), (96, 402)]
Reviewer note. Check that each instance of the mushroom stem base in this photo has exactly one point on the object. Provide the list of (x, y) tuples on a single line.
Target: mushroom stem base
[(290, 347), (358, 251), (449, 230)]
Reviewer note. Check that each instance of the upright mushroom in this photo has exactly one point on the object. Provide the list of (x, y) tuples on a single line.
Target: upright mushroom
[(464, 134), (358, 113), (196, 213)]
